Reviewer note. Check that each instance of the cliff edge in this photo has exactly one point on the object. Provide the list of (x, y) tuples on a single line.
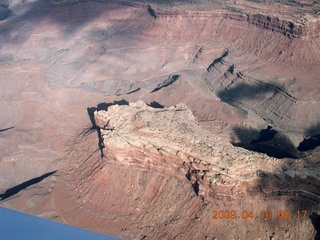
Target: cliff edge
[(163, 176)]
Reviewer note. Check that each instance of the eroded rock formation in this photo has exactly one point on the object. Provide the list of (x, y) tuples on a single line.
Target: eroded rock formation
[(163, 175)]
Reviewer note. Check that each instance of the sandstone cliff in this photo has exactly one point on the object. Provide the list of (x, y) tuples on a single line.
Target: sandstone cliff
[(162, 175)]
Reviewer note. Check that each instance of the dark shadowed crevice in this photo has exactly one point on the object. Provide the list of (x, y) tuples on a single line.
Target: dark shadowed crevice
[(134, 91), (312, 140), (121, 102), (267, 141), (102, 106), (4, 12), (155, 104), (170, 80), (195, 185), (240, 92), (6, 129), (265, 135), (12, 191), (313, 130), (309, 143), (151, 11), (315, 219), (218, 60)]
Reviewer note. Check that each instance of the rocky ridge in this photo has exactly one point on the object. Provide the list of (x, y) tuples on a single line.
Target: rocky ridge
[(303, 25), (152, 155)]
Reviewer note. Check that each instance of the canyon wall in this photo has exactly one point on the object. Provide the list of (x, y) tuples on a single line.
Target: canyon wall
[(162, 176), (295, 28)]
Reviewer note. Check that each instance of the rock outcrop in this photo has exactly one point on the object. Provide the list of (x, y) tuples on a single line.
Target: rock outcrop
[(163, 176)]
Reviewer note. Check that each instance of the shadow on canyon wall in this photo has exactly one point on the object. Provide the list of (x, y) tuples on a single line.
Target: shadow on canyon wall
[(101, 106), (104, 106), (315, 219), (312, 139), (268, 141), (155, 104), (16, 26), (6, 129), (300, 198), (14, 190), (170, 80), (299, 193), (4, 11), (238, 92), (68, 16), (218, 60)]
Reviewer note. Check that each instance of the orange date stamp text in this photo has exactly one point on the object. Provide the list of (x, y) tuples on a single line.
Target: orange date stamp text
[(264, 214)]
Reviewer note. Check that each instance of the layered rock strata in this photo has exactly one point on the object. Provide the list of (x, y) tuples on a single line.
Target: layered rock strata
[(162, 176)]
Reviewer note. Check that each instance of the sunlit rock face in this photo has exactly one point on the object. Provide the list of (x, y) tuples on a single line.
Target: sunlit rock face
[(159, 174), (229, 118)]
